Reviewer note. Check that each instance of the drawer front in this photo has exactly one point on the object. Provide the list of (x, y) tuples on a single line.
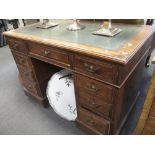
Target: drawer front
[(89, 119), (94, 87), (17, 45), (98, 69), (26, 74), (49, 52), (21, 59), (95, 104)]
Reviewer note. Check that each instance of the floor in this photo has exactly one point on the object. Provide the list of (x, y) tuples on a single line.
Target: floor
[(20, 114)]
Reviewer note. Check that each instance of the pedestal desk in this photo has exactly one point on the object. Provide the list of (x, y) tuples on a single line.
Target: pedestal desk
[(107, 70)]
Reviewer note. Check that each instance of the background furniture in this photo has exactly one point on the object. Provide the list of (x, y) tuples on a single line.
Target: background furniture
[(107, 71), (134, 21), (3, 28), (9, 24), (14, 22)]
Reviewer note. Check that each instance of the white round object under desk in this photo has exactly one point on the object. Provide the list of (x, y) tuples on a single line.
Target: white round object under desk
[(61, 95)]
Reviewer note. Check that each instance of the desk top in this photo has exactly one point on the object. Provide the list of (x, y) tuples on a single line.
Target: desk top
[(119, 48)]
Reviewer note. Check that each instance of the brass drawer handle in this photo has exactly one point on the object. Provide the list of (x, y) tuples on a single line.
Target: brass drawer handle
[(90, 68), (45, 53), (93, 104), (92, 87)]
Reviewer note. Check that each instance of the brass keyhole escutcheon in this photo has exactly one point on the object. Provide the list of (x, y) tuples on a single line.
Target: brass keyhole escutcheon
[(45, 53)]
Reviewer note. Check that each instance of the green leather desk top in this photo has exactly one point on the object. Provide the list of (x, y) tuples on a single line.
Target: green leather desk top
[(84, 36), (119, 48)]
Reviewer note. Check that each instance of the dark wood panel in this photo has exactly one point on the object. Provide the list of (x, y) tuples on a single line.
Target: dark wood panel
[(31, 87), (127, 95), (93, 121), (17, 45), (37, 90), (26, 73), (126, 70), (20, 59)]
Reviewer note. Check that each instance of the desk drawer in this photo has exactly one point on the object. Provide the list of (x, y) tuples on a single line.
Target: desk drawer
[(49, 52), (97, 69), (17, 45), (95, 122), (21, 59), (94, 87), (25, 73), (95, 104)]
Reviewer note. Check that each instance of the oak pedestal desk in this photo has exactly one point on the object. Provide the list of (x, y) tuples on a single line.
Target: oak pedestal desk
[(106, 70)]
